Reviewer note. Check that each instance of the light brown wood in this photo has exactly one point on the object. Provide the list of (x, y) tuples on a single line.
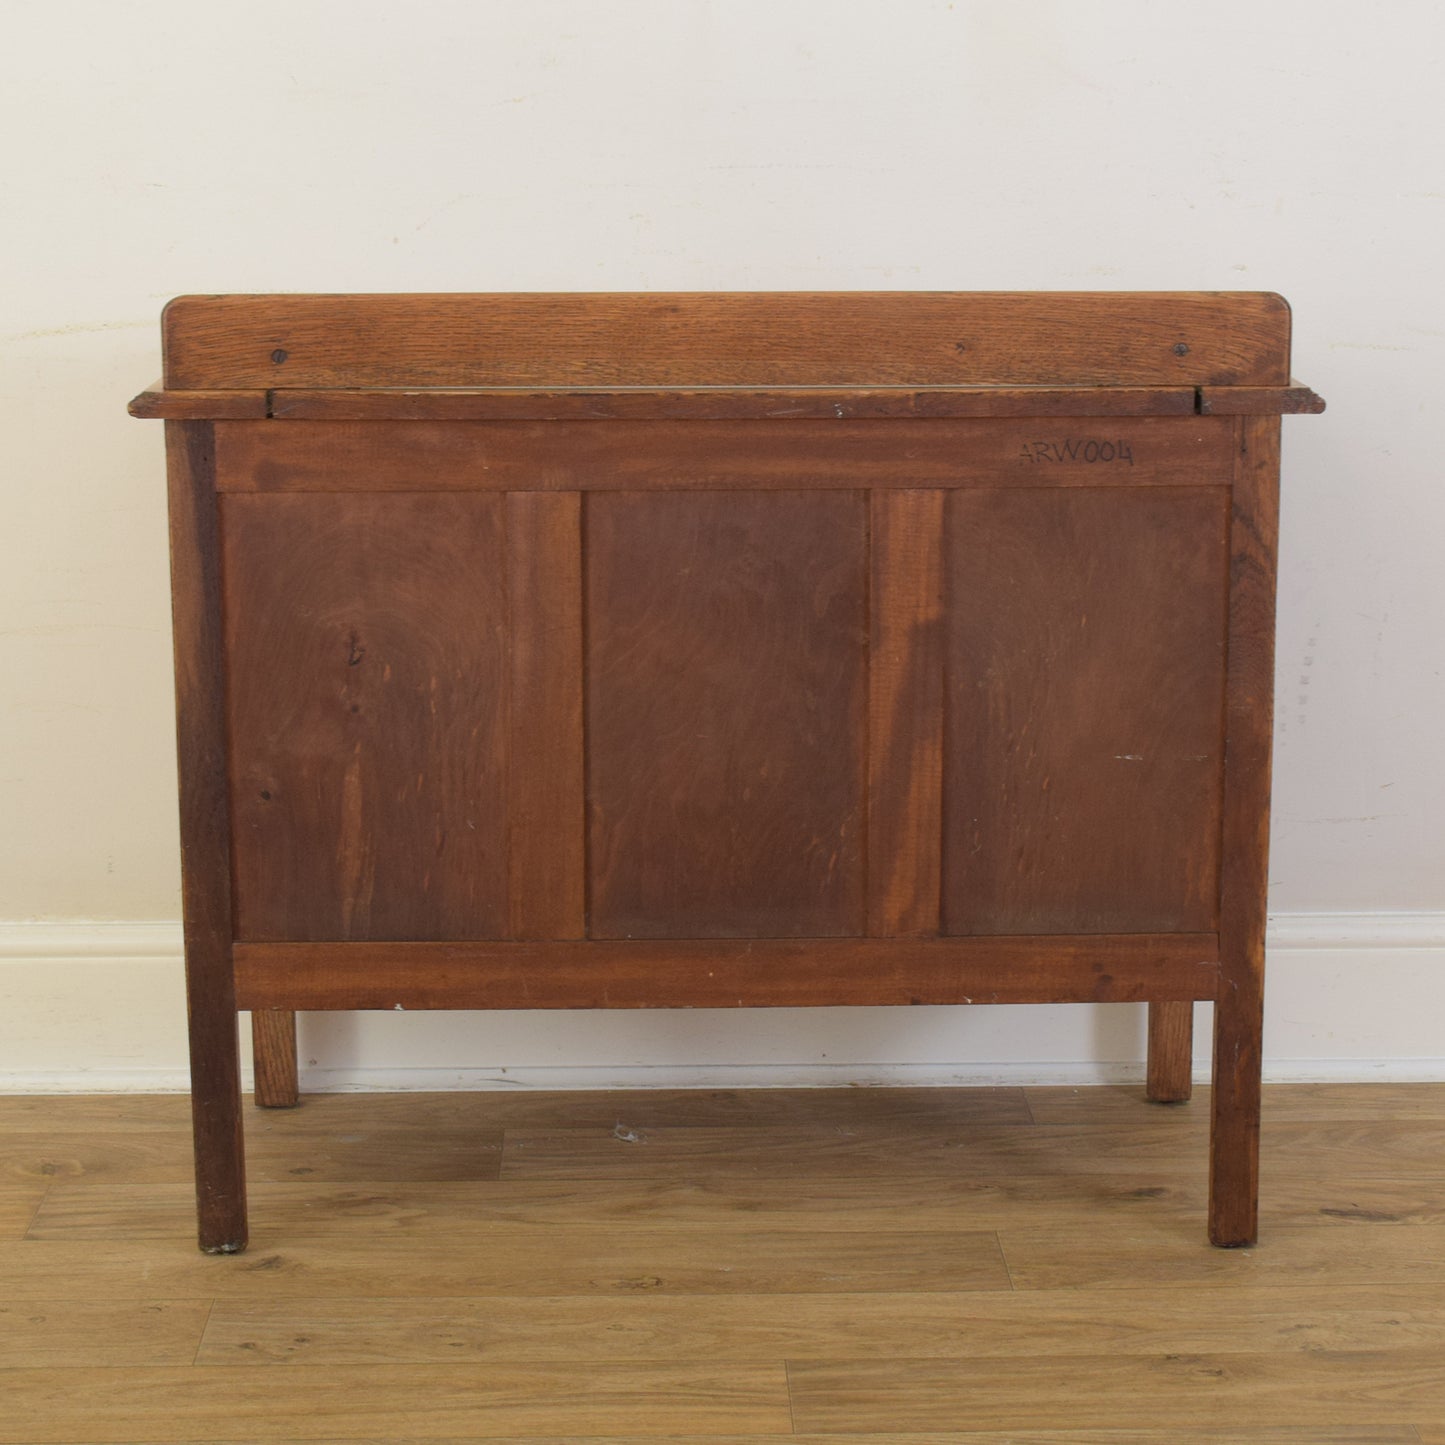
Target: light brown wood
[(73, 1407), (1297, 1148), (723, 973), (273, 1050), (1387, 1104), (1120, 1391), (980, 1325), (915, 339), (682, 456), (718, 1199), (756, 1296), (509, 1262), (18, 1203), (157, 403), (1171, 1053), (111, 1334)]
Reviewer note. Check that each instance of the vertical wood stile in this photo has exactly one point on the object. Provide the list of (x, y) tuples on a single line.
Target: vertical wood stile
[(1249, 700), (547, 824), (905, 713), (205, 838)]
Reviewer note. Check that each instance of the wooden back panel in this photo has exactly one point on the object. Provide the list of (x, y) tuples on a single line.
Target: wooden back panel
[(813, 671), (746, 706)]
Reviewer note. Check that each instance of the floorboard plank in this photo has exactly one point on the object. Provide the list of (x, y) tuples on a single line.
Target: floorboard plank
[(717, 1201), (1236, 1435), (649, 1261), (101, 1332), (19, 1205), (1185, 1392), (1171, 1256), (223, 1405), (978, 1326), (535, 1262), (669, 1108), (1334, 1103), (1402, 1149), (273, 1153)]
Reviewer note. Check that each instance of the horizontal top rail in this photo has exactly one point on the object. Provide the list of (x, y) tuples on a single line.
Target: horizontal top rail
[(714, 403), (750, 340)]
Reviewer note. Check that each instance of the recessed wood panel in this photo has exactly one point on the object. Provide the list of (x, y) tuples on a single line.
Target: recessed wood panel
[(726, 708), (1085, 661), (366, 639)]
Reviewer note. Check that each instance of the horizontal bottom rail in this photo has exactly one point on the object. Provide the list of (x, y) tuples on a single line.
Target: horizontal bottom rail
[(729, 973)]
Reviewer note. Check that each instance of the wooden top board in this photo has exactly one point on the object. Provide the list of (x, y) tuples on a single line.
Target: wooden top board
[(751, 339)]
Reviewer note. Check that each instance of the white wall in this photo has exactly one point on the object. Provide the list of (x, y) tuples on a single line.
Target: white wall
[(169, 146)]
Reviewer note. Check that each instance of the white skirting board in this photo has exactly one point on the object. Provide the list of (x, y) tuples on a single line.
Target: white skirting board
[(100, 1007)]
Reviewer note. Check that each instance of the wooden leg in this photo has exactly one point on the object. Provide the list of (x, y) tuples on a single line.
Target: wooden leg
[(273, 1047), (1234, 1132), (1244, 873), (1171, 1052), (205, 839), (216, 1128)]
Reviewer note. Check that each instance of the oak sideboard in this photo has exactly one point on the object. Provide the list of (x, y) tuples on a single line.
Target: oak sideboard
[(689, 650)]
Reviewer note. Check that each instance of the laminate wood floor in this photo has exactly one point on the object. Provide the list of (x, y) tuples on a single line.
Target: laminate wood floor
[(864, 1267)]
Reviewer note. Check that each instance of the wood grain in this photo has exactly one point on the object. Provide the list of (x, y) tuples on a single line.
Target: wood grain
[(1244, 875), (18, 1204), (1120, 1391), (74, 1407), (715, 403), (726, 699), (361, 1151), (273, 1048), (206, 894), (546, 825), (1085, 654), (438, 1311), (722, 1199), (777, 454), (1292, 400), (157, 403), (979, 1325), (722, 973), (1163, 1254), (905, 713), (100, 1333), (991, 1154), (652, 403), (509, 1262), (1171, 1053), (738, 339), (367, 713)]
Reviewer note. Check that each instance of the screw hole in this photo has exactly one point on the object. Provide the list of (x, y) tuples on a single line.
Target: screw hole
[(278, 356), (1180, 349)]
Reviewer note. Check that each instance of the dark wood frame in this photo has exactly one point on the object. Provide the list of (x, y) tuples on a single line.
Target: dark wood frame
[(875, 375)]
